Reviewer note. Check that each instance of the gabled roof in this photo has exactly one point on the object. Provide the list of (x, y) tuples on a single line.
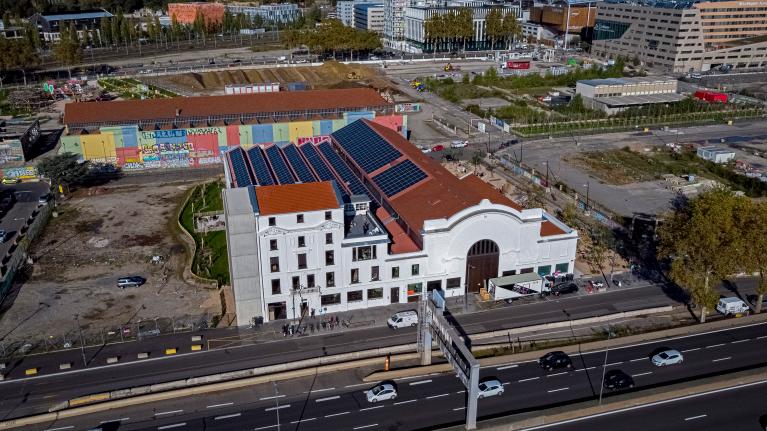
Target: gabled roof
[(296, 198), (77, 15)]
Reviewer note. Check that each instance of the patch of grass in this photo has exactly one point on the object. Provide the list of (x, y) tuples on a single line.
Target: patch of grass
[(127, 88), (210, 258)]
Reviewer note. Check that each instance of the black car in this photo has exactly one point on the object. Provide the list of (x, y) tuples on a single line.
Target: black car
[(617, 380), (561, 288), (555, 360)]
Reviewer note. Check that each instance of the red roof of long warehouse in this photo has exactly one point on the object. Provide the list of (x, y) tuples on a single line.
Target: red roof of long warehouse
[(205, 106)]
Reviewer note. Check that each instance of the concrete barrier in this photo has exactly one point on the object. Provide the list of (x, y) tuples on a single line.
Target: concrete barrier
[(65, 366), (112, 360), (143, 355), (196, 338), (89, 399)]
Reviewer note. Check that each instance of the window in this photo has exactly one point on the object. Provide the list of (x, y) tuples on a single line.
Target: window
[(328, 238), (526, 270), (433, 285), (276, 286), (330, 279), (274, 263), (506, 273), (329, 257), (301, 260), (272, 221), (453, 283), (299, 218), (296, 282), (354, 296), (310, 280), (328, 215), (374, 273), (355, 275), (364, 253), (414, 288), (415, 269), (331, 299), (562, 267), (376, 293), (544, 270), (272, 244), (302, 241)]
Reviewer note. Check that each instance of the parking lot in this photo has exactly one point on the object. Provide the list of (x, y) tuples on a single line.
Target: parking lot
[(26, 197)]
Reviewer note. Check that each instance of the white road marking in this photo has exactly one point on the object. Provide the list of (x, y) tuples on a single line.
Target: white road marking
[(558, 390), (691, 350), (613, 363), (527, 380), (459, 408), (371, 408), (336, 414), (641, 374), (233, 415), (271, 409), (219, 405), (115, 420), (323, 390), (715, 345), (358, 384), (721, 359), (585, 369), (692, 418), (365, 426), (420, 383), (405, 402), (320, 400), (167, 427), (637, 359), (739, 341), (557, 374), (761, 337), (271, 398), (461, 392), (304, 420), (506, 367), (266, 427), (437, 396), (61, 428), (169, 412)]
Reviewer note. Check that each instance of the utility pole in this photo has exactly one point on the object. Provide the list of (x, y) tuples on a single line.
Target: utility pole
[(82, 340), (604, 364), (277, 403)]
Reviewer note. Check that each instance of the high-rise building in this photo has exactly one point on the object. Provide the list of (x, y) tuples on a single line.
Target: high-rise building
[(369, 16), (394, 23)]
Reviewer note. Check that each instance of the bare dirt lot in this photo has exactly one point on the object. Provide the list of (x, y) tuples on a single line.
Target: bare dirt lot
[(99, 235)]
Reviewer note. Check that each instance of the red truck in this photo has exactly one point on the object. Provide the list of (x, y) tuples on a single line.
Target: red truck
[(511, 64), (711, 96)]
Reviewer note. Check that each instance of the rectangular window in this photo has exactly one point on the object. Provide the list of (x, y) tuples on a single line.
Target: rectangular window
[(562, 267), (302, 241), (296, 282), (526, 270), (415, 269), (276, 286), (354, 296), (544, 270), (364, 253), (414, 288), (272, 221), (331, 299), (355, 275), (330, 279), (505, 273), (433, 285), (299, 218), (329, 257), (310, 280), (328, 238), (374, 273), (274, 263), (302, 261), (395, 272), (272, 244), (453, 283), (376, 293), (328, 215)]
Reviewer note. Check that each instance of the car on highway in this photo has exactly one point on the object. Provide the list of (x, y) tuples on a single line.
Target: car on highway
[(490, 388), (459, 144), (561, 288), (555, 360), (731, 306), (438, 148), (616, 380), (11, 181), (667, 357), (382, 392), (403, 319), (130, 281)]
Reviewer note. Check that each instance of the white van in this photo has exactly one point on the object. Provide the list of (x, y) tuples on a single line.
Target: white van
[(731, 306), (403, 319)]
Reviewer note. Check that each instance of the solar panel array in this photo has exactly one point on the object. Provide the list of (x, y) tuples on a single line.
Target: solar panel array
[(354, 184), (319, 165), (299, 166), (369, 150), (398, 178), (259, 166), (240, 168), (280, 167)]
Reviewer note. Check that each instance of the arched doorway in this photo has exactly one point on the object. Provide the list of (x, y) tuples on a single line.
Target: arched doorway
[(481, 264)]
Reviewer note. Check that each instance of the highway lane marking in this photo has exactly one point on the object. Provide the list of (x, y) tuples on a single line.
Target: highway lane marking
[(304, 420), (337, 414), (355, 385), (739, 341), (61, 428), (459, 408), (115, 420), (586, 369), (691, 350), (558, 390), (405, 402), (437, 396), (166, 427), (692, 418), (271, 409), (213, 406), (321, 400), (371, 408), (233, 415), (506, 367), (557, 374), (715, 345), (761, 337), (365, 426), (266, 427), (271, 398), (461, 392), (420, 383), (721, 359), (527, 380), (641, 374), (613, 363), (323, 390), (169, 412), (637, 359)]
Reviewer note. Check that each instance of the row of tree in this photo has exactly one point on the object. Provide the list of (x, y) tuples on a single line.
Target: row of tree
[(712, 237), (445, 31), (332, 36)]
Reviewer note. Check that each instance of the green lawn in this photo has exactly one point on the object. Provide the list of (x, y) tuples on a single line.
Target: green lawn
[(210, 259)]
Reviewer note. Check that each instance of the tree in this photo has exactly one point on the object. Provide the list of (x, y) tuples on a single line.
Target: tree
[(755, 255), (68, 50), (511, 28), (313, 15), (464, 28), (64, 169), (494, 26), (704, 241), (105, 30)]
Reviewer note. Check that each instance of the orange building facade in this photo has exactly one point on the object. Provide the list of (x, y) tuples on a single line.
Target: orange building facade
[(185, 13)]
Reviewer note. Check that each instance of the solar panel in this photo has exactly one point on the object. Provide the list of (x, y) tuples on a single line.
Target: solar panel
[(398, 178), (240, 168), (354, 184), (279, 166), (260, 168), (299, 166), (365, 146), (319, 165)]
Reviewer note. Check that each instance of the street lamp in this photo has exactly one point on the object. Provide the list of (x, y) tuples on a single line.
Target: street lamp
[(82, 341), (277, 403), (604, 364), (588, 187)]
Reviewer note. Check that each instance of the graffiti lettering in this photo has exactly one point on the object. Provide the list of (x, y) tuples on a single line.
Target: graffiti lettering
[(166, 148), (208, 160), (179, 133), (22, 172), (203, 131), (133, 166)]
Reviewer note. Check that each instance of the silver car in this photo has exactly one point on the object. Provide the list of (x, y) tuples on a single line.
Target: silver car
[(489, 388), (667, 357), (382, 392)]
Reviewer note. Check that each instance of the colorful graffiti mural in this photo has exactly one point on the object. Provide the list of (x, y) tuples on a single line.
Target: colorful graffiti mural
[(131, 149)]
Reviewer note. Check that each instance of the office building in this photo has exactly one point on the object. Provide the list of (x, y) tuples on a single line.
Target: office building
[(274, 12), (49, 26), (369, 16), (613, 95)]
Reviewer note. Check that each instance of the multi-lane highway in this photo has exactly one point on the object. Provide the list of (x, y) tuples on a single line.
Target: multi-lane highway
[(425, 402)]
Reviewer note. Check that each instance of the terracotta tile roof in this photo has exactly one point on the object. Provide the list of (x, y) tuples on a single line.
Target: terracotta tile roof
[(442, 195), (548, 229), (400, 242), (127, 111), (296, 198)]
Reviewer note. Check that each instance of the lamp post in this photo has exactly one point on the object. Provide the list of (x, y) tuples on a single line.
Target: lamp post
[(604, 364), (588, 186), (277, 404), (82, 341)]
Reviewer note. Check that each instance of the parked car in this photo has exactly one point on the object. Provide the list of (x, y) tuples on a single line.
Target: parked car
[(11, 180), (561, 288), (730, 306), (3, 235), (382, 392), (438, 148), (617, 380), (555, 360), (131, 281), (374, 58), (459, 144), (424, 149), (403, 319), (667, 357), (490, 388)]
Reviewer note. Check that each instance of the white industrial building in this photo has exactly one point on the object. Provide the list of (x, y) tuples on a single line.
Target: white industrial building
[(275, 12), (716, 155), (375, 222), (613, 95)]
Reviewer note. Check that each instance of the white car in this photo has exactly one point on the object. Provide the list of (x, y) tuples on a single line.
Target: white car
[(489, 388), (667, 357), (382, 392), (459, 144), (424, 149)]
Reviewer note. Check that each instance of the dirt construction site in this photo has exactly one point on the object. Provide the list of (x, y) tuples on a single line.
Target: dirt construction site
[(100, 234)]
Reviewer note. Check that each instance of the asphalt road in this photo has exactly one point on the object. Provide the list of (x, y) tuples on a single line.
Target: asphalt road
[(425, 402), (27, 195)]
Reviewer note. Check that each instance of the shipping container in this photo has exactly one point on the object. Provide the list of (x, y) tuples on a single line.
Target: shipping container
[(517, 64), (273, 87), (711, 96), (296, 86)]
